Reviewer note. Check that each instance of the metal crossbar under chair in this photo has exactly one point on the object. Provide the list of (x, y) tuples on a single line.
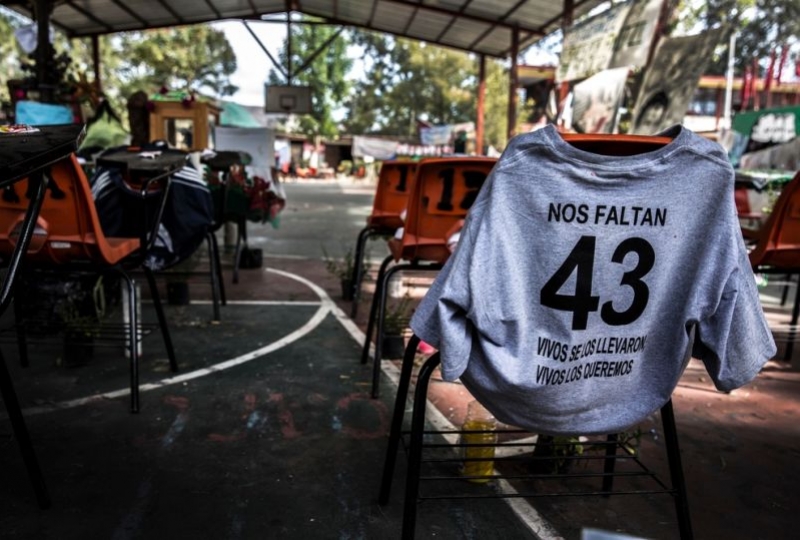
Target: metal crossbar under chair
[(69, 240), (443, 192), (28, 155), (433, 461), (395, 184)]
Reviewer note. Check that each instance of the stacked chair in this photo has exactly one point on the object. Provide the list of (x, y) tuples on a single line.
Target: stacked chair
[(443, 191), (395, 184)]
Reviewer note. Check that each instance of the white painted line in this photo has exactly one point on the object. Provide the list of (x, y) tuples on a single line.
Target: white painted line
[(313, 322), (522, 508)]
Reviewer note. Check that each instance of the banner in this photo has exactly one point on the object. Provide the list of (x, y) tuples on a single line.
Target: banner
[(596, 101), (436, 135), (636, 35), (379, 149), (589, 45), (670, 81), (258, 142)]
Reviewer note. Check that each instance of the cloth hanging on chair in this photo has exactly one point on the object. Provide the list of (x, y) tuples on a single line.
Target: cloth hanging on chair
[(583, 283), (188, 214)]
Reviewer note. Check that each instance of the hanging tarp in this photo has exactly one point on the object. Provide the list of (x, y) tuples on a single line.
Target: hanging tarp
[(258, 142), (596, 101), (671, 79), (635, 38), (380, 149)]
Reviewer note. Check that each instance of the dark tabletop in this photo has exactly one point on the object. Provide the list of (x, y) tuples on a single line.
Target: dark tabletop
[(144, 162), (222, 160), (24, 153)]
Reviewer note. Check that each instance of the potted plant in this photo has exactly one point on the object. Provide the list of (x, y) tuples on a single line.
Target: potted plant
[(80, 311), (344, 269), (395, 322)]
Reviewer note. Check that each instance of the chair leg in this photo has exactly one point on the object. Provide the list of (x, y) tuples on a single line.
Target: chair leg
[(374, 309), (23, 437), (162, 319), (19, 324), (393, 445), (133, 340), (218, 267), (358, 268), (415, 447), (787, 355), (609, 463), (213, 273), (379, 318), (237, 254), (676, 471)]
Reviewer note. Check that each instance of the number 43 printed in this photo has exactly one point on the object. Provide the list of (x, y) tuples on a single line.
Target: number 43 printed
[(581, 262)]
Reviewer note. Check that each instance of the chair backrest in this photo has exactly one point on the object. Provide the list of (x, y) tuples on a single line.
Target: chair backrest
[(444, 190), (395, 183), (778, 242), (68, 229)]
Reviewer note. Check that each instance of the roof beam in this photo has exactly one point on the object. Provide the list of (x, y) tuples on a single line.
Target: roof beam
[(316, 53), (499, 22), (543, 29), (449, 25), (130, 12), (90, 16), (213, 8), (253, 8), (172, 12), (371, 13), (269, 55), (410, 19), (468, 16)]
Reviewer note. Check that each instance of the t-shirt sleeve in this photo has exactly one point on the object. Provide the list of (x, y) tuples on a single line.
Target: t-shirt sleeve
[(735, 341), (441, 319)]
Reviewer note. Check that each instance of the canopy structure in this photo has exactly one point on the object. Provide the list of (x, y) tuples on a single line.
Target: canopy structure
[(479, 26), (495, 28)]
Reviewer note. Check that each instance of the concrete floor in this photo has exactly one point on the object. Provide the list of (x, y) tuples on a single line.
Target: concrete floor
[(268, 432)]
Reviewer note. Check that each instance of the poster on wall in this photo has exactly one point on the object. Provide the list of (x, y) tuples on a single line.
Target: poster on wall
[(670, 81), (596, 101), (589, 45), (634, 39)]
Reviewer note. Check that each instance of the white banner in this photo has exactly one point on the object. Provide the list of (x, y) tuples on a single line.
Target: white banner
[(596, 100), (258, 142), (380, 149), (636, 35), (436, 135), (589, 45)]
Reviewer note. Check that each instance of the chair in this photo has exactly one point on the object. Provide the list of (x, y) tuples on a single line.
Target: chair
[(395, 183), (443, 192), (24, 156), (420, 441), (69, 239), (777, 247)]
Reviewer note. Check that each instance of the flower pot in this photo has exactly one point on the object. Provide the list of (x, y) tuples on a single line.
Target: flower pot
[(394, 347), (178, 293), (347, 289)]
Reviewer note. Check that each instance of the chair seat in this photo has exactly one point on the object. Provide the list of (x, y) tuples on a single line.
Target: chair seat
[(415, 247), (87, 248), (384, 220)]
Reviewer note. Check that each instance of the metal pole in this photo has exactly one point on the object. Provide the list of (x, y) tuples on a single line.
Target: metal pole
[(726, 119), (98, 81), (513, 83), (479, 121)]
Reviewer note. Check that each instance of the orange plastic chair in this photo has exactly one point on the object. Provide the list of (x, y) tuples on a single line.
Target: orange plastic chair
[(443, 192), (395, 183), (777, 246), (602, 144), (68, 239)]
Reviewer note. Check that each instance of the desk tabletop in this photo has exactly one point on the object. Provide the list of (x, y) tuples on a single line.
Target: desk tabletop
[(222, 160), (144, 162), (22, 154)]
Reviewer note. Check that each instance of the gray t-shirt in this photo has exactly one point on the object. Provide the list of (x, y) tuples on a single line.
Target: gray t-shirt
[(582, 284)]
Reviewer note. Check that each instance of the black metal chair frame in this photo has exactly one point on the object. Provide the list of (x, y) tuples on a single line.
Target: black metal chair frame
[(378, 312), (358, 263), (31, 166), (419, 439)]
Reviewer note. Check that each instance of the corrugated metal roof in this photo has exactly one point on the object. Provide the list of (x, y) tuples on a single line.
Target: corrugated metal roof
[(480, 26)]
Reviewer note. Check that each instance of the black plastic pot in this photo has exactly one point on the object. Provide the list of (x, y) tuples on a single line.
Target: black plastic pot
[(394, 347), (178, 293), (347, 289)]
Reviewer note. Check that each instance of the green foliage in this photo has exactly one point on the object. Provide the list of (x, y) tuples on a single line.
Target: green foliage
[(397, 316), (342, 268), (327, 74)]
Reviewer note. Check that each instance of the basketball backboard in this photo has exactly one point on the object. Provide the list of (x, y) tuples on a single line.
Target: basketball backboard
[(287, 99)]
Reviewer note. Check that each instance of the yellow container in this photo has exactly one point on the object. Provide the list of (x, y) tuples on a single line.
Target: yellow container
[(480, 426)]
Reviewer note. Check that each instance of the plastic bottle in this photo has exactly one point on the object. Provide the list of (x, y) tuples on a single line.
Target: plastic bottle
[(479, 427)]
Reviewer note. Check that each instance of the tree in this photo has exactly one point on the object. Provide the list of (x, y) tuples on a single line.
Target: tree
[(762, 25), (190, 58), (10, 52), (326, 74)]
